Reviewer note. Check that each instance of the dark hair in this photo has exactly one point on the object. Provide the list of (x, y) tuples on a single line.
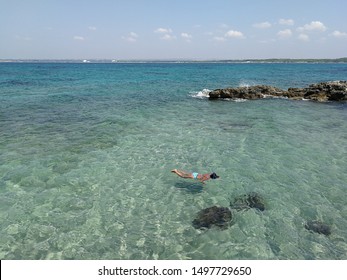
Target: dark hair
[(214, 176)]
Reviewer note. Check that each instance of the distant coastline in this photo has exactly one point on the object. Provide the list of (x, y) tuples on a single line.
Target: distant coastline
[(270, 60)]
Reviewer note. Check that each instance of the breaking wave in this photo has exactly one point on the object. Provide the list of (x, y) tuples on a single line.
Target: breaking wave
[(201, 94)]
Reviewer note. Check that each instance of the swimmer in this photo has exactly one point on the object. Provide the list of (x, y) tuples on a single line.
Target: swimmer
[(194, 175)]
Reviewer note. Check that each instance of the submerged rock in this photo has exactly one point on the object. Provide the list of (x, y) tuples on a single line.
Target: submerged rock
[(246, 201), (213, 216), (318, 226), (325, 91)]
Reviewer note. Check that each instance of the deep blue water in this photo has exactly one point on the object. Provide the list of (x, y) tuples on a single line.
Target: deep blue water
[(86, 152)]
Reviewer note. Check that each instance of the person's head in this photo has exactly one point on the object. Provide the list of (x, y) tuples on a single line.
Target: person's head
[(214, 176)]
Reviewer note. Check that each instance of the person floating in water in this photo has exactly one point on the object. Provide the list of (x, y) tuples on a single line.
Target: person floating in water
[(194, 175)]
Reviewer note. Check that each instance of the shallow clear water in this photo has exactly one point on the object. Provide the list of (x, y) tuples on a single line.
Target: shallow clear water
[(86, 152)]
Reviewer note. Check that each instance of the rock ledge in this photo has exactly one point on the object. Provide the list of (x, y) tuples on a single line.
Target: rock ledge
[(325, 91)]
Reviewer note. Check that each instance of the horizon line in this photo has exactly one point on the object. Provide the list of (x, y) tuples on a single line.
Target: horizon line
[(109, 60)]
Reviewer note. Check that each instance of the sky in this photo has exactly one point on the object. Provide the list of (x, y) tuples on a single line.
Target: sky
[(172, 29)]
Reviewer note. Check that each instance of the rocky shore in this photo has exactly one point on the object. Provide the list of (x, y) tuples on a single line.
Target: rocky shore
[(321, 92)]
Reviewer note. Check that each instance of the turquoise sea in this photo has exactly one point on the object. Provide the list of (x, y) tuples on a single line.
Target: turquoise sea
[(86, 152)]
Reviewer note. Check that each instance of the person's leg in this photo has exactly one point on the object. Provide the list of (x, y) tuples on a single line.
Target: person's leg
[(182, 173)]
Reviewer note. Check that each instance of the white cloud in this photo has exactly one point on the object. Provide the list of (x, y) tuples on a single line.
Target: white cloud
[(78, 38), (168, 37), (92, 28), (283, 21), (131, 37), (262, 25), (219, 39), (163, 30), (267, 41), (339, 34), (283, 34), (234, 34), (186, 36), (303, 37), (166, 32), (313, 26)]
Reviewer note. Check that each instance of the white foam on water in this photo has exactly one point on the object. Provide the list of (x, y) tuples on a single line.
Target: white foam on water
[(247, 83), (201, 94), (239, 100), (243, 84), (234, 99)]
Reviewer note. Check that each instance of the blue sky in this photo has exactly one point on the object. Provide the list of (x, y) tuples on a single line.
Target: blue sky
[(175, 29)]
